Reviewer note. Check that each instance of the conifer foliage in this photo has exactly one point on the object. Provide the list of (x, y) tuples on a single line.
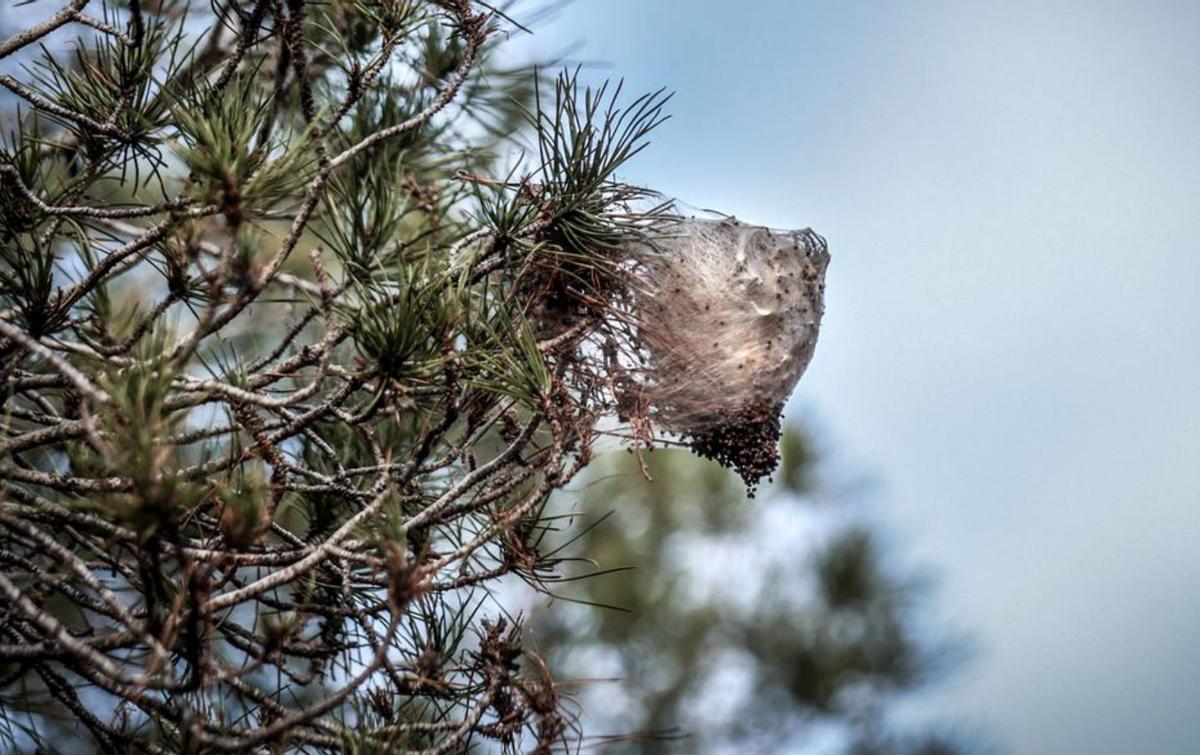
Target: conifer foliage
[(290, 364)]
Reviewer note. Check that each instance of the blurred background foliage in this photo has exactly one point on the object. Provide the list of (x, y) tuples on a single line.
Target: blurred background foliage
[(703, 621)]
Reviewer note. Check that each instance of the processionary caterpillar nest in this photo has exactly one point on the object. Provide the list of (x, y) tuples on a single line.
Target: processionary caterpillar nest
[(727, 316)]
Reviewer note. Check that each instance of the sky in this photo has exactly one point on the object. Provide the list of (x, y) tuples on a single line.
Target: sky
[(1012, 337)]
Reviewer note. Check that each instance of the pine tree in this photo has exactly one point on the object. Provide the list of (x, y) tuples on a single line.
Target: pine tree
[(292, 359)]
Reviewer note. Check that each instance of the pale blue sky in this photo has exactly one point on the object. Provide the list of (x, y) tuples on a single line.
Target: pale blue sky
[(1009, 191)]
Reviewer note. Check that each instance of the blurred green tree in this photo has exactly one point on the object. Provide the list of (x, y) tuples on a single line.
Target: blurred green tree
[(765, 625)]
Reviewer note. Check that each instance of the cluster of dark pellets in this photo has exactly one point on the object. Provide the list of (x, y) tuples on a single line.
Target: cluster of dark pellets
[(746, 441)]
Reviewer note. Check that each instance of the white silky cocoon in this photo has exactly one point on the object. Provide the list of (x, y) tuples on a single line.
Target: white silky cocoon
[(728, 315)]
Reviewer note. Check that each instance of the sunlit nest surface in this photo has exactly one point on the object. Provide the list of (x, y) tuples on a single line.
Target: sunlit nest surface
[(727, 319)]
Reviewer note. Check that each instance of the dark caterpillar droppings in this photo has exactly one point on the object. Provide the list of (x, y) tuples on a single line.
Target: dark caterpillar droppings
[(746, 441)]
